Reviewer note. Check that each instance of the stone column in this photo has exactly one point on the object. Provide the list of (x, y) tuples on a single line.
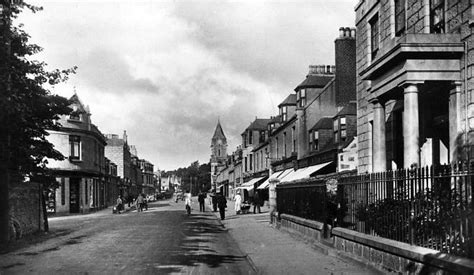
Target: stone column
[(411, 126), (379, 157), (456, 139)]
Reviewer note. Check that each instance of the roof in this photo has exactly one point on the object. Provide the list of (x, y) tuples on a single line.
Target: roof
[(289, 100), (349, 109), (219, 133), (323, 123), (315, 81), (259, 124)]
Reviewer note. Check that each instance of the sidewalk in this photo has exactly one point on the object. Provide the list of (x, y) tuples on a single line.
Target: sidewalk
[(275, 252)]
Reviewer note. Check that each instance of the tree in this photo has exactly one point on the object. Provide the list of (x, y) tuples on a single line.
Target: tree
[(27, 107)]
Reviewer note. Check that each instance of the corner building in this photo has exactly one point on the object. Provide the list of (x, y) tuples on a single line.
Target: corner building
[(414, 82)]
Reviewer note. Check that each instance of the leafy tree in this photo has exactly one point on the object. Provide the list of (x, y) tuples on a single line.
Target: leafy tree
[(27, 107)]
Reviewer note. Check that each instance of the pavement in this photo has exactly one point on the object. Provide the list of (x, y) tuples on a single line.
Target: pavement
[(272, 251)]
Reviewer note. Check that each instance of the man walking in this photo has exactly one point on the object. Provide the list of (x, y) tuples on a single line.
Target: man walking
[(201, 199), (256, 202), (221, 204)]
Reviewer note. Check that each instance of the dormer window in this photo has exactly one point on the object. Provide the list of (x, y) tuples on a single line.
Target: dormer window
[(437, 16), (250, 137), (301, 97), (284, 113), (342, 128), (315, 139)]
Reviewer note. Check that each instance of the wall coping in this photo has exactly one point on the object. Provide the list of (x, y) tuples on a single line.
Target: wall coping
[(309, 223), (412, 252)]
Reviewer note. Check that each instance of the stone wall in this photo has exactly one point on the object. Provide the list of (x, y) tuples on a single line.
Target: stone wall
[(381, 253), (26, 213)]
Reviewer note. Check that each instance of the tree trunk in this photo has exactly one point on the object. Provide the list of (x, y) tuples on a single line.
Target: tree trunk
[(43, 204), (4, 204)]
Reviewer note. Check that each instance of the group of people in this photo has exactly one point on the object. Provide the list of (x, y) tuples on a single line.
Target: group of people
[(238, 203), (140, 203), (217, 200)]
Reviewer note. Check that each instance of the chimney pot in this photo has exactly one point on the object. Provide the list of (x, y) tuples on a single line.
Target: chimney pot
[(353, 32), (341, 32), (347, 32)]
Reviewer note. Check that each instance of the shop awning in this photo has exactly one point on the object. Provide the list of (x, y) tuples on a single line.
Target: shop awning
[(267, 181), (249, 184), (305, 172)]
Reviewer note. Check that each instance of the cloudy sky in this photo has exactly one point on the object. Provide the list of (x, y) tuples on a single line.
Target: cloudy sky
[(165, 71)]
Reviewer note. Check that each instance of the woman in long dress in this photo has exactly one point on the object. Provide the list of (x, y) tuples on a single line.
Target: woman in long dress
[(238, 203)]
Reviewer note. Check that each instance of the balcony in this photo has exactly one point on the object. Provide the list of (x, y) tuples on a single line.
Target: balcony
[(415, 58)]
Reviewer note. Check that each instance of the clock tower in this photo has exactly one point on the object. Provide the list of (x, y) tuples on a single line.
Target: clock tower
[(218, 153)]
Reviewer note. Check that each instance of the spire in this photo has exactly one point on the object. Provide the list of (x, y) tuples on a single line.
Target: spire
[(219, 133)]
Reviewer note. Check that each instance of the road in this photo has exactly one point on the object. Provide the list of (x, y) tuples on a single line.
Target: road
[(162, 240)]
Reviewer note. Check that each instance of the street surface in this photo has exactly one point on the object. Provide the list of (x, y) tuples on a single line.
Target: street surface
[(161, 240), (164, 240)]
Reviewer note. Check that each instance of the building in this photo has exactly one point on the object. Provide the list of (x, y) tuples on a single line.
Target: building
[(149, 185), (118, 151), (81, 174), (413, 83), (218, 153)]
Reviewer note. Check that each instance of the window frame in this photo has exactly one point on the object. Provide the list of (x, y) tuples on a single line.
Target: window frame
[(73, 141), (400, 17), (374, 35), (315, 139), (439, 27)]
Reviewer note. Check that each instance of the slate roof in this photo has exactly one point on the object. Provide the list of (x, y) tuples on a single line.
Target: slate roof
[(219, 133), (323, 123), (349, 109), (315, 81), (289, 100), (259, 124)]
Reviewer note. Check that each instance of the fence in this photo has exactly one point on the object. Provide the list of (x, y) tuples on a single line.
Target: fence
[(430, 206)]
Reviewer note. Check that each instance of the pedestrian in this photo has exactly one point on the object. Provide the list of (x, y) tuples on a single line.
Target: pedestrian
[(119, 204), (214, 201), (139, 203), (201, 199), (221, 204), (256, 202), (238, 203), (187, 202)]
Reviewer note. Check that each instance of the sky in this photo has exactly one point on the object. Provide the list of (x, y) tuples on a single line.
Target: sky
[(167, 71)]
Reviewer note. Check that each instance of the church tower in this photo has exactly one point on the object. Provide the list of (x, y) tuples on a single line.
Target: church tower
[(218, 152)]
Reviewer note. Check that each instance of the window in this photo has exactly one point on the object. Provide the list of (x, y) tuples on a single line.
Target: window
[(374, 36), (63, 191), (315, 140), (262, 136), (284, 144), (277, 151), (284, 113), (250, 137), (342, 127), (399, 17), (245, 163), (251, 162), (336, 125), (75, 116), (342, 157), (293, 138), (86, 192), (75, 145), (437, 16), (301, 97)]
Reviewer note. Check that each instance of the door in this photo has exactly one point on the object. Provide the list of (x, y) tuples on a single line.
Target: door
[(74, 195)]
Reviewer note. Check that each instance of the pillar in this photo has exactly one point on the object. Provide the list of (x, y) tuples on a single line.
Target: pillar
[(302, 134), (456, 139), (379, 158), (411, 126)]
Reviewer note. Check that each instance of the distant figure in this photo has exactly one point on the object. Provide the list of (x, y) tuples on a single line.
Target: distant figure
[(201, 199), (238, 203), (214, 201), (139, 203), (119, 204), (221, 204), (187, 202), (256, 202)]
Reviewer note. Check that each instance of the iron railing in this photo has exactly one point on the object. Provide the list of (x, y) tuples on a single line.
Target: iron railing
[(430, 206)]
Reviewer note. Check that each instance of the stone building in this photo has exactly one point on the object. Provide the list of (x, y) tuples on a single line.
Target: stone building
[(118, 151), (148, 179), (413, 82), (80, 175)]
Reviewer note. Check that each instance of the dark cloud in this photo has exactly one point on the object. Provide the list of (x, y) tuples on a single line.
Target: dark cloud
[(109, 72)]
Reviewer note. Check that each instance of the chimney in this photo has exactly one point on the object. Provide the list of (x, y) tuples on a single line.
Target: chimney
[(125, 136), (345, 68)]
